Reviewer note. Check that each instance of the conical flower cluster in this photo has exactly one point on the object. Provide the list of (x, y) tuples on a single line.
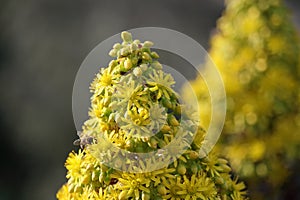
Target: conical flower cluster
[(257, 52), (140, 142)]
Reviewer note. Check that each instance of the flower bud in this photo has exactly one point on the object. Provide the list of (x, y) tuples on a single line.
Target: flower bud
[(124, 51), (146, 56), (112, 63), (133, 47), (113, 53), (137, 42), (181, 169), (161, 143), (153, 143), (134, 60), (222, 161), (226, 168), (127, 64), (144, 67), (177, 110), (167, 103), (107, 180), (154, 55), (193, 155), (161, 189), (219, 180), (156, 65), (147, 44), (126, 36), (173, 121), (165, 129), (194, 168), (137, 71), (145, 196), (117, 46)]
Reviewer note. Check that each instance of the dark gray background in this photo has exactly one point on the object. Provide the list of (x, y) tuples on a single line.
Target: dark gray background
[(42, 44)]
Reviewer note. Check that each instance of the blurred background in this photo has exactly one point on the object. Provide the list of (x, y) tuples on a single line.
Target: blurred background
[(42, 44)]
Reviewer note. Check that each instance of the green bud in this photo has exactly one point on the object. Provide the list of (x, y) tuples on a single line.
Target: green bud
[(219, 180), (156, 65), (145, 196), (161, 189), (161, 143), (127, 64), (146, 56), (113, 63), (117, 46), (113, 53), (126, 36), (181, 169), (153, 143), (194, 168), (137, 42), (144, 67), (193, 155), (154, 55), (172, 120), (222, 161), (124, 51), (226, 168), (107, 180), (147, 44), (165, 129), (167, 103), (137, 71), (134, 60), (177, 109), (133, 47)]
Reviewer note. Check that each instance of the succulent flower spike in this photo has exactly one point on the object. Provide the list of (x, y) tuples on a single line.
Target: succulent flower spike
[(135, 112), (256, 49)]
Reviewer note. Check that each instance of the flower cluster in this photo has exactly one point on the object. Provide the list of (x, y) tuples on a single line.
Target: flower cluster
[(257, 52), (134, 108), (188, 178)]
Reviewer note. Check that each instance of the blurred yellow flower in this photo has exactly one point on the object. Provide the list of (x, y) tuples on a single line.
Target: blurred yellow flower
[(256, 48)]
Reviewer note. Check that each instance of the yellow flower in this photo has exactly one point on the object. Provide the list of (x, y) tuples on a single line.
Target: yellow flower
[(162, 83), (135, 109), (133, 184), (198, 186), (104, 79), (256, 50), (73, 164)]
